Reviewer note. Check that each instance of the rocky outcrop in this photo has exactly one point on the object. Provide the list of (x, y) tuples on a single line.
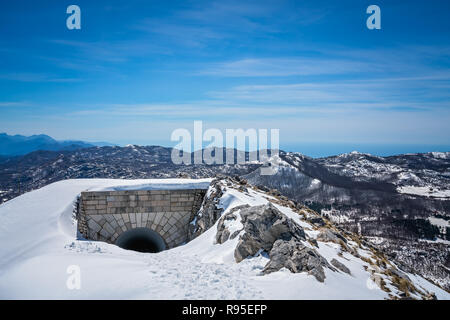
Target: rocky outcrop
[(296, 257), (330, 235), (317, 221), (340, 266), (223, 233), (266, 228), (209, 212), (263, 225)]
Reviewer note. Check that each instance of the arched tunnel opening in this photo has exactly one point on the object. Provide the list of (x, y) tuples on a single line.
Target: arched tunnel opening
[(142, 240)]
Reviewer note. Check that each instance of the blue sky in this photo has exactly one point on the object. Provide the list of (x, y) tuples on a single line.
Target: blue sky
[(137, 70)]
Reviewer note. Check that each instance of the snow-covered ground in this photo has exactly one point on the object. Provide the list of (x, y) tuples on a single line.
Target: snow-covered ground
[(439, 222), (38, 244), (426, 191)]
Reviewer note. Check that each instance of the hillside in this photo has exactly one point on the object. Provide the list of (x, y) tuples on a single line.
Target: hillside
[(39, 239), (399, 203)]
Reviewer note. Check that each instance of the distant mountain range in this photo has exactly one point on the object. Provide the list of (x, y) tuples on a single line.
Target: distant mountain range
[(16, 145)]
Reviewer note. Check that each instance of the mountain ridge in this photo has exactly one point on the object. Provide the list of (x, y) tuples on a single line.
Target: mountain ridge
[(17, 145)]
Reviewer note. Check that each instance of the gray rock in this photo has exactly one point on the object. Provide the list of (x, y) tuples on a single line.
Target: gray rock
[(318, 221), (274, 192), (243, 189), (263, 225), (296, 257), (268, 229), (340, 266), (313, 242), (262, 188), (330, 235), (209, 212), (223, 234)]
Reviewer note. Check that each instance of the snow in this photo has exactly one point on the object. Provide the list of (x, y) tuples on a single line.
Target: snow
[(439, 222), (38, 236), (362, 168), (407, 175), (335, 216), (375, 240), (315, 183), (159, 184), (435, 241), (441, 155), (426, 191)]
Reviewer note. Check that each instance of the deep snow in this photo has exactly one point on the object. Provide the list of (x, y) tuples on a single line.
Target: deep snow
[(38, 244)]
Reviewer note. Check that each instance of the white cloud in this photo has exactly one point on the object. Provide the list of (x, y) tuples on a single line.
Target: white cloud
[(283, 67), (14, 104), (36, 77)]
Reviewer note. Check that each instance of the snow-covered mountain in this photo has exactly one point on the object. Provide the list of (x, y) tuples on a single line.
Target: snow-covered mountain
[(400, 203), (246, 244)]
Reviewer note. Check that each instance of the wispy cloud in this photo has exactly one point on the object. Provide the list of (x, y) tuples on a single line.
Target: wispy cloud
[(283, 67), (224, 22), (405, 61), (299, 66), (116, 51), (193, 110), (14, 104), (36, 77), (345, 95), (180, 35), (252, 16)]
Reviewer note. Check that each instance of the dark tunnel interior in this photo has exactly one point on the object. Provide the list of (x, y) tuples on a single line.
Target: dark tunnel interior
[(142, 240)]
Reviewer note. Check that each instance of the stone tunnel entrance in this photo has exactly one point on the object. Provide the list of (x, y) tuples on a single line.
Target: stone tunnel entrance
[(142, 240), (140, 220)]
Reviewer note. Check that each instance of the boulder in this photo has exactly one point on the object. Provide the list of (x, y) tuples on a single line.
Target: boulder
[(223, 234), (268, 229), (340, 266), (243, 189), (274, 192), (296, 257), (263, 188), (330, 235), (263, 225), (318, 221)]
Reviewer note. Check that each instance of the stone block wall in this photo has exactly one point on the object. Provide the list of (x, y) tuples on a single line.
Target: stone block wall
[(104, 215)]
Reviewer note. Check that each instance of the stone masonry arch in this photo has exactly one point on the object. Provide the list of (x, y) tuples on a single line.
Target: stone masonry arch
[(105, 215)]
